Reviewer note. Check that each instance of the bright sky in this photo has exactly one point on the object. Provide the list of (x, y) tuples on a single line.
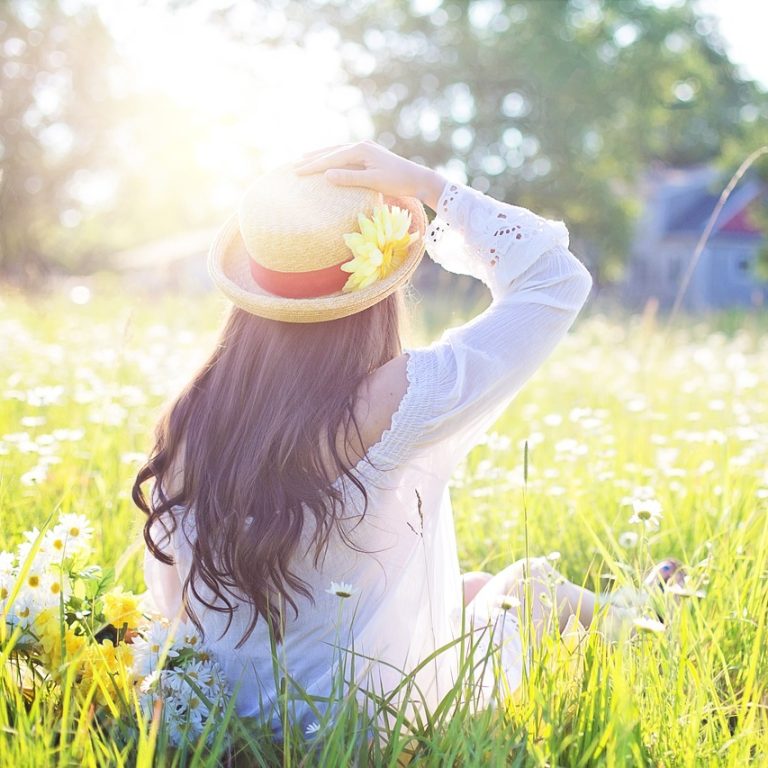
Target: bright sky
[(240, 88), (196, 61), (744, 26)]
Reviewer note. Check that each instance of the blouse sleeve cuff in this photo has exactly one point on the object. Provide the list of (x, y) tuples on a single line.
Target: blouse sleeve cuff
[(477, 235)]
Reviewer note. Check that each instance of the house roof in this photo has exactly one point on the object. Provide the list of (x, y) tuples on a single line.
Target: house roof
[(734, 218)]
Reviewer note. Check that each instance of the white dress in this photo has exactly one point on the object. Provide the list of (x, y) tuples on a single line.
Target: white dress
[(407, 599)]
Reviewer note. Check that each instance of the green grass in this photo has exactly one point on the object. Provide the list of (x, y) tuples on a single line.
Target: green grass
[(621, 408)]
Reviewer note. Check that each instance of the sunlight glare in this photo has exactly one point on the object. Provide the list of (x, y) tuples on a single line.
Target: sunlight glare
[(253, 100)]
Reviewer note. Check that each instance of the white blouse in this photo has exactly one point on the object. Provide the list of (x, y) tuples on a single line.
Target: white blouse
[(407, 599)]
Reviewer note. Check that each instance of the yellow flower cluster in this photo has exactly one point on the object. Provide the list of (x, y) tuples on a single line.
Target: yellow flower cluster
[(105, 667), (379, 247), (48, 626), (122, 608)]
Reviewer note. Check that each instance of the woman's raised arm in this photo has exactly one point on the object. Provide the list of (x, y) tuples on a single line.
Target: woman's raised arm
[(459, 385)]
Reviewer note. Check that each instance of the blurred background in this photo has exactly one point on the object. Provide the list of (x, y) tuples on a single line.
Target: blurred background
[(129, 130)]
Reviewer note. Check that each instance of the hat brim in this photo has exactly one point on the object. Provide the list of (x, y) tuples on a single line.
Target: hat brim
[(229, 268)]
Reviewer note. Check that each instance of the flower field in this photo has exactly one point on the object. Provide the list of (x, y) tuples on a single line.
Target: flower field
[(643, 442)]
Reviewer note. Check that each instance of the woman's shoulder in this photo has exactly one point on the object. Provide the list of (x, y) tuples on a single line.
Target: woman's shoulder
[(382, 393), (379, 399), (392, 404)]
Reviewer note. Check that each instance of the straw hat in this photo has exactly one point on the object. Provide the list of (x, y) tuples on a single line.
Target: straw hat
[(280, 255)]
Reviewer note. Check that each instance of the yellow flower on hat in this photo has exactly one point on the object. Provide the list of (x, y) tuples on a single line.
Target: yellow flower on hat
[(379, 247)]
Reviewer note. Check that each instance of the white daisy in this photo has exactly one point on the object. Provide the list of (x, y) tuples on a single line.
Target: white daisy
[(54, 589), (77, 528), (508, 602), (7, 562), (648, 625), (341, 589), (69, 434), (55, 543), (628, 539), (190, 638), (646, 511), (36, 583), (24, 610), (151, 683), (681, 591), (148, 647), (24, 549), (35, 476), (7, 583)]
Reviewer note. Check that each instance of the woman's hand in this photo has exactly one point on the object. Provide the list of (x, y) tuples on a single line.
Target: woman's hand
[(367, 164)]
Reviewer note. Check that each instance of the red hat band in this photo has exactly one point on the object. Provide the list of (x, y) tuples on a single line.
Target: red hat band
[(300, 285)]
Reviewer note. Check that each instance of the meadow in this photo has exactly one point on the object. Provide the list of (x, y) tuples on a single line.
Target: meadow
[(627, 412)]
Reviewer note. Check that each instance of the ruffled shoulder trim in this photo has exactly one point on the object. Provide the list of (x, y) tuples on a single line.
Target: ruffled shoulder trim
[(413, 410)]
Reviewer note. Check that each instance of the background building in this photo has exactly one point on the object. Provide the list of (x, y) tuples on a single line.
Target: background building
[(678, 205)]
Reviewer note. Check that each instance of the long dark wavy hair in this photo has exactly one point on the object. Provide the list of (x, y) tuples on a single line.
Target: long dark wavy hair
[(247, 431)]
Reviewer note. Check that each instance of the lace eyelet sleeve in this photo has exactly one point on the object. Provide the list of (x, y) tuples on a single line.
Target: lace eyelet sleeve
[(473, 234), (465, 379)]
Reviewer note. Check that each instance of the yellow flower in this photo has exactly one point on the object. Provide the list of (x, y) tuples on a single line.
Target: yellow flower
[(107, 667), (48, 629), (121, 608), (379, 247)]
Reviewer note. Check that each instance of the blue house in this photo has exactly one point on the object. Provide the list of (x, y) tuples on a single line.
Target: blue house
[(678, 204)]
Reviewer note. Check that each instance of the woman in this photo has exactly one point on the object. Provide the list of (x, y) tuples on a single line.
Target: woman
[(300, 501)]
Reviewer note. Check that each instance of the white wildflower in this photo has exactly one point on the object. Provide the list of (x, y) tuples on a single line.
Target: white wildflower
[(71, 435), (32, 421), (647, 624), (191, 694), (23, 611), (7, 583), (7, 562), (682, 591), (77, 529), (628, 539), (42, 558), (151, 643), (35, 476), (190, 638), (508, 602), (341, 589), (647, 512)]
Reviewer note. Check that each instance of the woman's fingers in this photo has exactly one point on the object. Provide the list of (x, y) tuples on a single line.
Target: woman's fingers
[(349, 178), (336, 159)]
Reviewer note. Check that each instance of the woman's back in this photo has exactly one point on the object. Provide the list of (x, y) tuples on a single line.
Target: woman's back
[(418, 413), (403, 580)]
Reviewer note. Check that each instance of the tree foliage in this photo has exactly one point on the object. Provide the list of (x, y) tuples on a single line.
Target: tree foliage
[(557, 105), (51, 137), (91, 164)]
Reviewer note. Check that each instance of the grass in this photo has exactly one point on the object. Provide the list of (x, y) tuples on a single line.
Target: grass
[(623, 408)]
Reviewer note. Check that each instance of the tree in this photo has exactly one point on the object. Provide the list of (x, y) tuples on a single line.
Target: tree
[(54, 94), (552, 104), (89, 164), (557, 105)]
